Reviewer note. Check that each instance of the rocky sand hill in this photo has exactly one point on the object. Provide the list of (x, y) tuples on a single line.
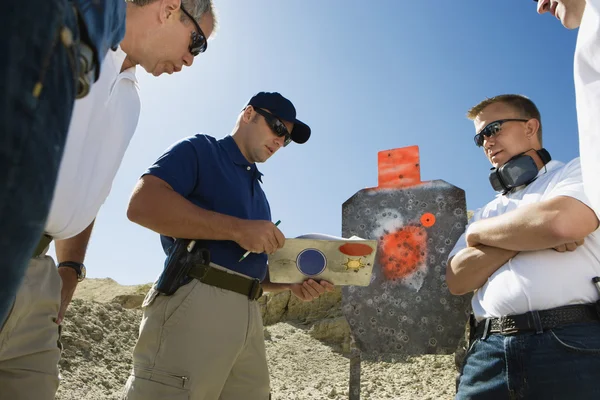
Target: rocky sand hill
[(307, 348)]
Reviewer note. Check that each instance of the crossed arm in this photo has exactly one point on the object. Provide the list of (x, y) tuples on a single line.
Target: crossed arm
[(560, 223)]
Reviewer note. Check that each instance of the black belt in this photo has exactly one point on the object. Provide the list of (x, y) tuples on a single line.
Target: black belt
[(537, 321), (222, 279)]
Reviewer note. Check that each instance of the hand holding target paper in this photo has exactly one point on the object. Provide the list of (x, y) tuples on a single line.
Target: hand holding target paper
[(323, 257)]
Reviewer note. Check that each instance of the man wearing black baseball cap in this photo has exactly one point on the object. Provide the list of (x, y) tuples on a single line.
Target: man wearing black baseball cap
[(283, 109), (202, 335)]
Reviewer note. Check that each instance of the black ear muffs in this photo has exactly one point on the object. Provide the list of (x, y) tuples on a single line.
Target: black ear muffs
[(518, 171)]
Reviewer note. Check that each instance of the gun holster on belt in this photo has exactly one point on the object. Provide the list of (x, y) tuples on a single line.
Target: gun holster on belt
[(184, 254), (472, 326)]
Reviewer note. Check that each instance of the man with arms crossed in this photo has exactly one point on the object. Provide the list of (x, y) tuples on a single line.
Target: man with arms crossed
[(530, 256)]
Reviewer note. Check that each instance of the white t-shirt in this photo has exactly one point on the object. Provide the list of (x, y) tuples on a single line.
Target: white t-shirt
[(539, 280), (587, 89), (101, 128)]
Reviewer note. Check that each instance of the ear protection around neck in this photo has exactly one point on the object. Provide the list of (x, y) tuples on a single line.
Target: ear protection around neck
[(518, 171)]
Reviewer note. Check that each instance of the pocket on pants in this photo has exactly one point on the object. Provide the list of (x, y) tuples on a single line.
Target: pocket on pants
[(150, 297), (179, 303), (58, 341), (471, 346), (150, 384), (579, 338)]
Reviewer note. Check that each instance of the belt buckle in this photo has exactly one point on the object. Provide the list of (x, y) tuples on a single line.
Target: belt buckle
[(255, 290), (505, 329)]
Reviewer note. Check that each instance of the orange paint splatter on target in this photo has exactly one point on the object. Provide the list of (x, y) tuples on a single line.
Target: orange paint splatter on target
[(428, 220), (403, 251)]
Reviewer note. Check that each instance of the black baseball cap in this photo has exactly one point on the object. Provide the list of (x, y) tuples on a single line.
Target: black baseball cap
[(282, 108)]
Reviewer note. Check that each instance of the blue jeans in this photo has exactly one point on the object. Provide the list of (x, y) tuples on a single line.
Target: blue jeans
[(561, 363), (37, 91)]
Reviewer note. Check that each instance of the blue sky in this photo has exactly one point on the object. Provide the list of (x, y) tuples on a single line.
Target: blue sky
[(366, 76)]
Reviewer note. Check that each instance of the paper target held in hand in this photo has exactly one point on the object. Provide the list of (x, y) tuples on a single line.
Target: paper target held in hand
[(311, 262)]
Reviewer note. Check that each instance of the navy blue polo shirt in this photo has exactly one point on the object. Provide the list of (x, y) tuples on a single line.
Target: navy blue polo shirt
[(214, 174)]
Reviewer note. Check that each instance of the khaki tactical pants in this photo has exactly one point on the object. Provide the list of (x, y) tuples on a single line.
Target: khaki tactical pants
[(201, 343), (29, 351)]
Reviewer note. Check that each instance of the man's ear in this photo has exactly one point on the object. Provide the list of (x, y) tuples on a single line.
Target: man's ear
[(168, 9), (247, 114), (532, 126)]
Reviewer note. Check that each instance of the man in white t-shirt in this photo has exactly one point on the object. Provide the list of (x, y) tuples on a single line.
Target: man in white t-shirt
[(162, 36), (530, 256), (584, 14)]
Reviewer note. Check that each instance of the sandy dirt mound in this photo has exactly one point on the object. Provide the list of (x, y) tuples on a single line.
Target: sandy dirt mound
[(97, 343), (107, 290), (306, 357), (304, 368)]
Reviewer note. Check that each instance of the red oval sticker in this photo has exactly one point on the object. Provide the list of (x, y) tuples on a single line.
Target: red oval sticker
[(356, 249)]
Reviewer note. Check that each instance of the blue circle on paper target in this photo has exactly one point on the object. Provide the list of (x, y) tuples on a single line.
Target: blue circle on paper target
[(311, 262)]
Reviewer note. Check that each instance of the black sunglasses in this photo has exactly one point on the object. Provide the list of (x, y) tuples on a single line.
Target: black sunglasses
[(276, 126), (199, 43), (492, 128)]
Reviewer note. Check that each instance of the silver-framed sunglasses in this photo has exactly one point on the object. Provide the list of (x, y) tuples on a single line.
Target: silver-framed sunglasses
[(492, 128)]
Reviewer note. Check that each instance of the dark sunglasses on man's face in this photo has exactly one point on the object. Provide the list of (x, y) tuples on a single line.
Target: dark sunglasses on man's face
[(491, 129), (198, 42), (276, 126)]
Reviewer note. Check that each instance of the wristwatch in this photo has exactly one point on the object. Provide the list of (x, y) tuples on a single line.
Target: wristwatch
[(77, 266)]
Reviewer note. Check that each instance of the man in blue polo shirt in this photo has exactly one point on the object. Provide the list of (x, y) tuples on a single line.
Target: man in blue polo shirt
[(206, 341)]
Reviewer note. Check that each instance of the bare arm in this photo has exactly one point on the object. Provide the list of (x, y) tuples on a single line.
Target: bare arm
[(470, 268), (72, 249), (155, 205), (269, 286), (305, 291), (538, 226)]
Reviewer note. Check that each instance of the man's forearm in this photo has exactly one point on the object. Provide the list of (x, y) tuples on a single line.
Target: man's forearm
[(514, 231), (537, 226), (73, 249), (269, 286), (470, 268), (156, 206)]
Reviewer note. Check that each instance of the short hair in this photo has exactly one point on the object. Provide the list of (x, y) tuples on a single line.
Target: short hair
[(521, 104), (197, 8)]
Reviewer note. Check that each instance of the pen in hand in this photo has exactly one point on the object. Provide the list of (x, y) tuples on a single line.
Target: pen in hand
[(248, 252)]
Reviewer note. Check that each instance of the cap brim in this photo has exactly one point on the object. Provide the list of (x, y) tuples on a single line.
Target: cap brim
[(301, 132)]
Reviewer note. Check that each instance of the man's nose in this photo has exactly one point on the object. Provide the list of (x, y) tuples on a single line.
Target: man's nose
[(280, 140), (188, 59), (543, 6), (488, 142)]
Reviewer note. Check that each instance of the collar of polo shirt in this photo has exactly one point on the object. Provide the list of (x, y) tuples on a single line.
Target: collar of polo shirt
[(238, 158)]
